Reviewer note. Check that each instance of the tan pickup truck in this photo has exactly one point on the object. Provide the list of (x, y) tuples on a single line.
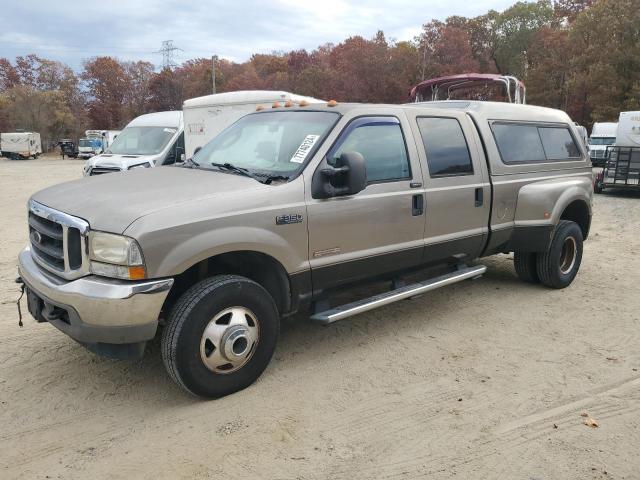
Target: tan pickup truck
[(291, 205)]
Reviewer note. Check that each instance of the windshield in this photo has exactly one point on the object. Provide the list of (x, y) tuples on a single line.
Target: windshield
[(89, 142), (602, 140), (274, 143), (142, 140)]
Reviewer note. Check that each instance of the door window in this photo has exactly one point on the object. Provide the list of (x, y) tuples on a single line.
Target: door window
[(445, 146), (381, 142)]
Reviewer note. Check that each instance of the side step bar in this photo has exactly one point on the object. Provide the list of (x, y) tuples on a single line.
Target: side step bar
[(360, 306)]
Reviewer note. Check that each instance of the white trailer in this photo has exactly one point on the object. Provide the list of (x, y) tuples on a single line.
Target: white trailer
[(205, 117), (20, 145), (628, 130), (622, 168)]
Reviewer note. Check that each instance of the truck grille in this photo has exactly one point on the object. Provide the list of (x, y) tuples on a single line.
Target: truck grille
[(58, 241), (103, 170)]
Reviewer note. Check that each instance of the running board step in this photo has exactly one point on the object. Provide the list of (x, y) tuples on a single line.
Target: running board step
[(360, 306)]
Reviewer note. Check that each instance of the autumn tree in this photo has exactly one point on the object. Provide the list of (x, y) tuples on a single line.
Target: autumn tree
[(107, 84), (608, 63)]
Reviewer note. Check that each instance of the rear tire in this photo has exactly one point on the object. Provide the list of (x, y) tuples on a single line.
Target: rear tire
[(559, 265), (220, 336), (525, 265)]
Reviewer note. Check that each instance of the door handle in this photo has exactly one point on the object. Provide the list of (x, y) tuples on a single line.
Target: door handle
[(417, 205), (479, 196)]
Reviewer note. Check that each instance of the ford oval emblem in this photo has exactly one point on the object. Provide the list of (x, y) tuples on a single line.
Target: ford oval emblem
[(37, 237)]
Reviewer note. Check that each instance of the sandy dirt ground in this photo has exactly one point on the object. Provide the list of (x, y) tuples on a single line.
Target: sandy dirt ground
[(485, 379)]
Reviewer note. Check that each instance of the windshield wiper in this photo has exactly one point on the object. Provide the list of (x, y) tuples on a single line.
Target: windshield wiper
[(189, 163), (268, 178), (240, 170)]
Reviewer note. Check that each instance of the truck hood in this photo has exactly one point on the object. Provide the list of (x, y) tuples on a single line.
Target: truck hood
[(122, 162), (112, 202)]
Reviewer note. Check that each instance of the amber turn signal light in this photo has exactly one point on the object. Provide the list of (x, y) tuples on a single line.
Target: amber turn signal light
[(137, 273)]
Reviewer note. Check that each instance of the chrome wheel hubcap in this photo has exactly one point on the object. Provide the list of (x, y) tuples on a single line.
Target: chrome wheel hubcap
[(229, 340), (568, 255)]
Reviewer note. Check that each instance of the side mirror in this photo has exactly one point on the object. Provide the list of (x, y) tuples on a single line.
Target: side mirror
[(347, 177)]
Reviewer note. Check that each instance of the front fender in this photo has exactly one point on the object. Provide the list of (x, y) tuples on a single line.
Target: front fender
[(177, 258)]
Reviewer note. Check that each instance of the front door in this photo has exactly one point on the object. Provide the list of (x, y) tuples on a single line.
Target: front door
[(380, 229)]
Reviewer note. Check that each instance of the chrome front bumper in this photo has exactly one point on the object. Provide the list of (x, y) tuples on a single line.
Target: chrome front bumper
[(98, 310)]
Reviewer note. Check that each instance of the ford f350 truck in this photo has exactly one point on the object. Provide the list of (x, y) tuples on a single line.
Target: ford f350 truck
[(287, 207)]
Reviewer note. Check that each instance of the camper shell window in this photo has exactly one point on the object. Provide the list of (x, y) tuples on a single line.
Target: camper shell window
[(534, 143)]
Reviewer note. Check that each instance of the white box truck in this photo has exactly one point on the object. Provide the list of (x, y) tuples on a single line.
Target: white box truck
[(96, 142), (20, 145), (205, 117), (603, 134)]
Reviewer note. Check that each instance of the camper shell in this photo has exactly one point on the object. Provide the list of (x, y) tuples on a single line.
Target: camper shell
[(20, 145), (147, 141), (205, 117)]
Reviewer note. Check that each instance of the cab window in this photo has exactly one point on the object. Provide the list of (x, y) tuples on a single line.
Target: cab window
[(381, 142), (445, 146)]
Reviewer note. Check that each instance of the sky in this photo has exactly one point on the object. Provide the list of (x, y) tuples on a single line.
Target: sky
[(71, 31)]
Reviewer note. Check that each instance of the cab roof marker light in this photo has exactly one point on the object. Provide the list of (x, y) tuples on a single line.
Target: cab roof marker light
[(303, 103), (332, 103), (259, 107), (288, 104), (275, 105)]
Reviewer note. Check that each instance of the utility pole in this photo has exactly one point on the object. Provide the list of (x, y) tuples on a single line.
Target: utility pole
[(213, 73), (168, 54)]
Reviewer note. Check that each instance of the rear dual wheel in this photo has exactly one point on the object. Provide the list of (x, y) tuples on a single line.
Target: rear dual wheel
[(220, 336), (559, 265)]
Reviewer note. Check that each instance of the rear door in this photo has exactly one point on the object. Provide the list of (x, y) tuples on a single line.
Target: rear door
[(380, 229), (457, 188)]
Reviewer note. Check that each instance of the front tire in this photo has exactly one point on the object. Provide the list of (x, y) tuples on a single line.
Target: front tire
[(220, 336), (559, 265)]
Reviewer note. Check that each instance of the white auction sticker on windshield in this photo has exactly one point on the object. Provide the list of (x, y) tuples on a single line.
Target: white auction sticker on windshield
[(304, 148)]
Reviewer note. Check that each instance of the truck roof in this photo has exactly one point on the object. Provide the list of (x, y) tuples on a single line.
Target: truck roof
[(479, 109), (158, 119), (247, 96)]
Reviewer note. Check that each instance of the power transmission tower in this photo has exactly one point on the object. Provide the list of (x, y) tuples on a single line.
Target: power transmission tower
[(168, 54)]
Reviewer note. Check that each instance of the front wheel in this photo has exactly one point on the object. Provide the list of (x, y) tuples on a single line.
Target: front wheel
[(559, 265), (220, 336)]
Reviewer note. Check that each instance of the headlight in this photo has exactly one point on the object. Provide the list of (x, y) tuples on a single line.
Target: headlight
[(116, 256), (140, 165)]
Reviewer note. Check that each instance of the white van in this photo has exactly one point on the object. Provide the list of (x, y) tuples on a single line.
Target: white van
[(20, 145), (205, 117), (147, 141), (603, 134)]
